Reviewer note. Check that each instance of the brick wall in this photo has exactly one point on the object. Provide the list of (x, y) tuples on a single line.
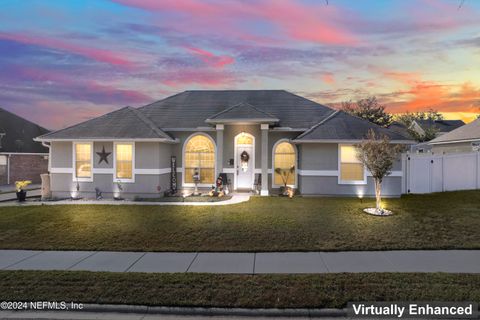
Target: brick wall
[(27, 167)]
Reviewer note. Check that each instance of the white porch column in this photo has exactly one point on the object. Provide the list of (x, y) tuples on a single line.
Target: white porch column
[(219, 163), (264, 129)]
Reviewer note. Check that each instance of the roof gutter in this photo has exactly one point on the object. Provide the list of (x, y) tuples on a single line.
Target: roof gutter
[(39, 139), (346, 141), (455, 141)]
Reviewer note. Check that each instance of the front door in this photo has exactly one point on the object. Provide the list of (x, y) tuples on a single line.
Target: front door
[(244, 161), (245, 167)]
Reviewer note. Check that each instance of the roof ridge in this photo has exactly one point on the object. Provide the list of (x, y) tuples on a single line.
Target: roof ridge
[(24, 119), (149, 123), (330, 116), (261, 111), (238, 105), (80, 123)]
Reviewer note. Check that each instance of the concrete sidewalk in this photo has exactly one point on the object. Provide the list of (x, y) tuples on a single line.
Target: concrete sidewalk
[(450, 261), (236, 198)]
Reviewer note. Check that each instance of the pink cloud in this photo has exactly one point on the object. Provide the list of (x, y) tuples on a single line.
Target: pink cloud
[(211, 59), (100, 55), (298, 21)]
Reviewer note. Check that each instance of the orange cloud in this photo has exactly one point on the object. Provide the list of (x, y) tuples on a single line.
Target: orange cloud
[(328, 78)]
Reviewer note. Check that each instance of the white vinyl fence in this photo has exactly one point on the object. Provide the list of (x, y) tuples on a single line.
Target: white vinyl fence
[(425, 173)]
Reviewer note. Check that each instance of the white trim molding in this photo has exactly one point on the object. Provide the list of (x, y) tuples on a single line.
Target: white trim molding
[(319, 173), (153, 171), (61, 170)]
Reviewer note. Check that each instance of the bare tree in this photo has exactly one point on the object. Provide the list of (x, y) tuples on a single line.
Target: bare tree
[(377, 154), (369, 109)]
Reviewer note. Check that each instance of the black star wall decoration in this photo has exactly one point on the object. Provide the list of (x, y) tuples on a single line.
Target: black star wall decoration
[(103, 155)]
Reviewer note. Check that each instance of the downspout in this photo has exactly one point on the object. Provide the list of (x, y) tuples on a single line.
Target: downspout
[(8, 168), (46, 145)]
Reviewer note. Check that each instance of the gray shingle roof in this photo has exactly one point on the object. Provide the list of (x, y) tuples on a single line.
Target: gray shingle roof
[(18, 134), (343, 126), (441, 125), (242, 111), (125, 123), (470, 131), (190, 109)]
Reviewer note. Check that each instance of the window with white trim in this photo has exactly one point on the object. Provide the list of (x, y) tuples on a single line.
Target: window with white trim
[(284, 160), (199, 155), (83, 160), (124, 161), (351, 169)]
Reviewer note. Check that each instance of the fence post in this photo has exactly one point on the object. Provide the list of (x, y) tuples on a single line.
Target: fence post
[(477, 170)]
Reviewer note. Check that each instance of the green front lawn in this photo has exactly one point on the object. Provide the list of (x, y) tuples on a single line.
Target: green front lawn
[(436, 221), (259, 291)]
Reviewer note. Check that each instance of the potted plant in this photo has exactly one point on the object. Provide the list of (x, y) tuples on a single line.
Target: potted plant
[(285, 174), (20, 186)]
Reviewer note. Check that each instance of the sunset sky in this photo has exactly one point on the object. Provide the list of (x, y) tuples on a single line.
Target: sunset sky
[(62, 62)]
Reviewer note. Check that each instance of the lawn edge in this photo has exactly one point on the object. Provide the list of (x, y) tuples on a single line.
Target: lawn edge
[(215, 311)]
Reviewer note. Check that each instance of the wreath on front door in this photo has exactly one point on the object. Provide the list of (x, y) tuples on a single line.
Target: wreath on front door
[(244, 157)]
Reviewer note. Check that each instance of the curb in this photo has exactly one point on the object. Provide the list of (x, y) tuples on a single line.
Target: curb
[(199, 311)]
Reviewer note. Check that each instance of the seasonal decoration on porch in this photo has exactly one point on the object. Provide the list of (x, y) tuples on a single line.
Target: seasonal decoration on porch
[(117, 195), (20, 186), (75, 194), (244, 157), (218, 189), (196, 180), (103, 155), (377, 154), (98, 194), (285, 174)]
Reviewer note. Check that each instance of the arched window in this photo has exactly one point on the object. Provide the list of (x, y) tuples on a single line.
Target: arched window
[(199, 155), (284, 164)]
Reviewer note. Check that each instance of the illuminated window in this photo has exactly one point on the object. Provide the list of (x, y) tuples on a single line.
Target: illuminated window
[(244, 139), (199, 155), (284, 160), (124, 161), (351, 169), (83, 160)]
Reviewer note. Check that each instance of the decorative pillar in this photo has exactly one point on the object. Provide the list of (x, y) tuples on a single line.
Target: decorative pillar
[(219, 163), (264, 129)]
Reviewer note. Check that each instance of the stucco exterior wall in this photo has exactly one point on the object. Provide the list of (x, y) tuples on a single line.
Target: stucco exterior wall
[(317, 167), (153, 156)]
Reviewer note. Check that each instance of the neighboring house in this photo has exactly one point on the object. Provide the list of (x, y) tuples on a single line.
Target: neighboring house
[(245, 134), (21, 158), (442, 126), (421, 126), (463, 139)]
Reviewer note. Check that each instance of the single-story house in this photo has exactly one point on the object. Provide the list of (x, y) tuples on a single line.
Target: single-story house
[(245, 134), (464, 139), (21, 158)]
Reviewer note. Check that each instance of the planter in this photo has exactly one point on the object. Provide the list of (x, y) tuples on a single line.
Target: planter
[(21, 195)]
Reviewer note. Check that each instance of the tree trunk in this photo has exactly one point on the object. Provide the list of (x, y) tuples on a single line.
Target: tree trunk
[(378, 194)]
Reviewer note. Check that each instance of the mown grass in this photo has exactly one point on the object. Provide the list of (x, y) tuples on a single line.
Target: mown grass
[(435, 221), (248, 291)]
